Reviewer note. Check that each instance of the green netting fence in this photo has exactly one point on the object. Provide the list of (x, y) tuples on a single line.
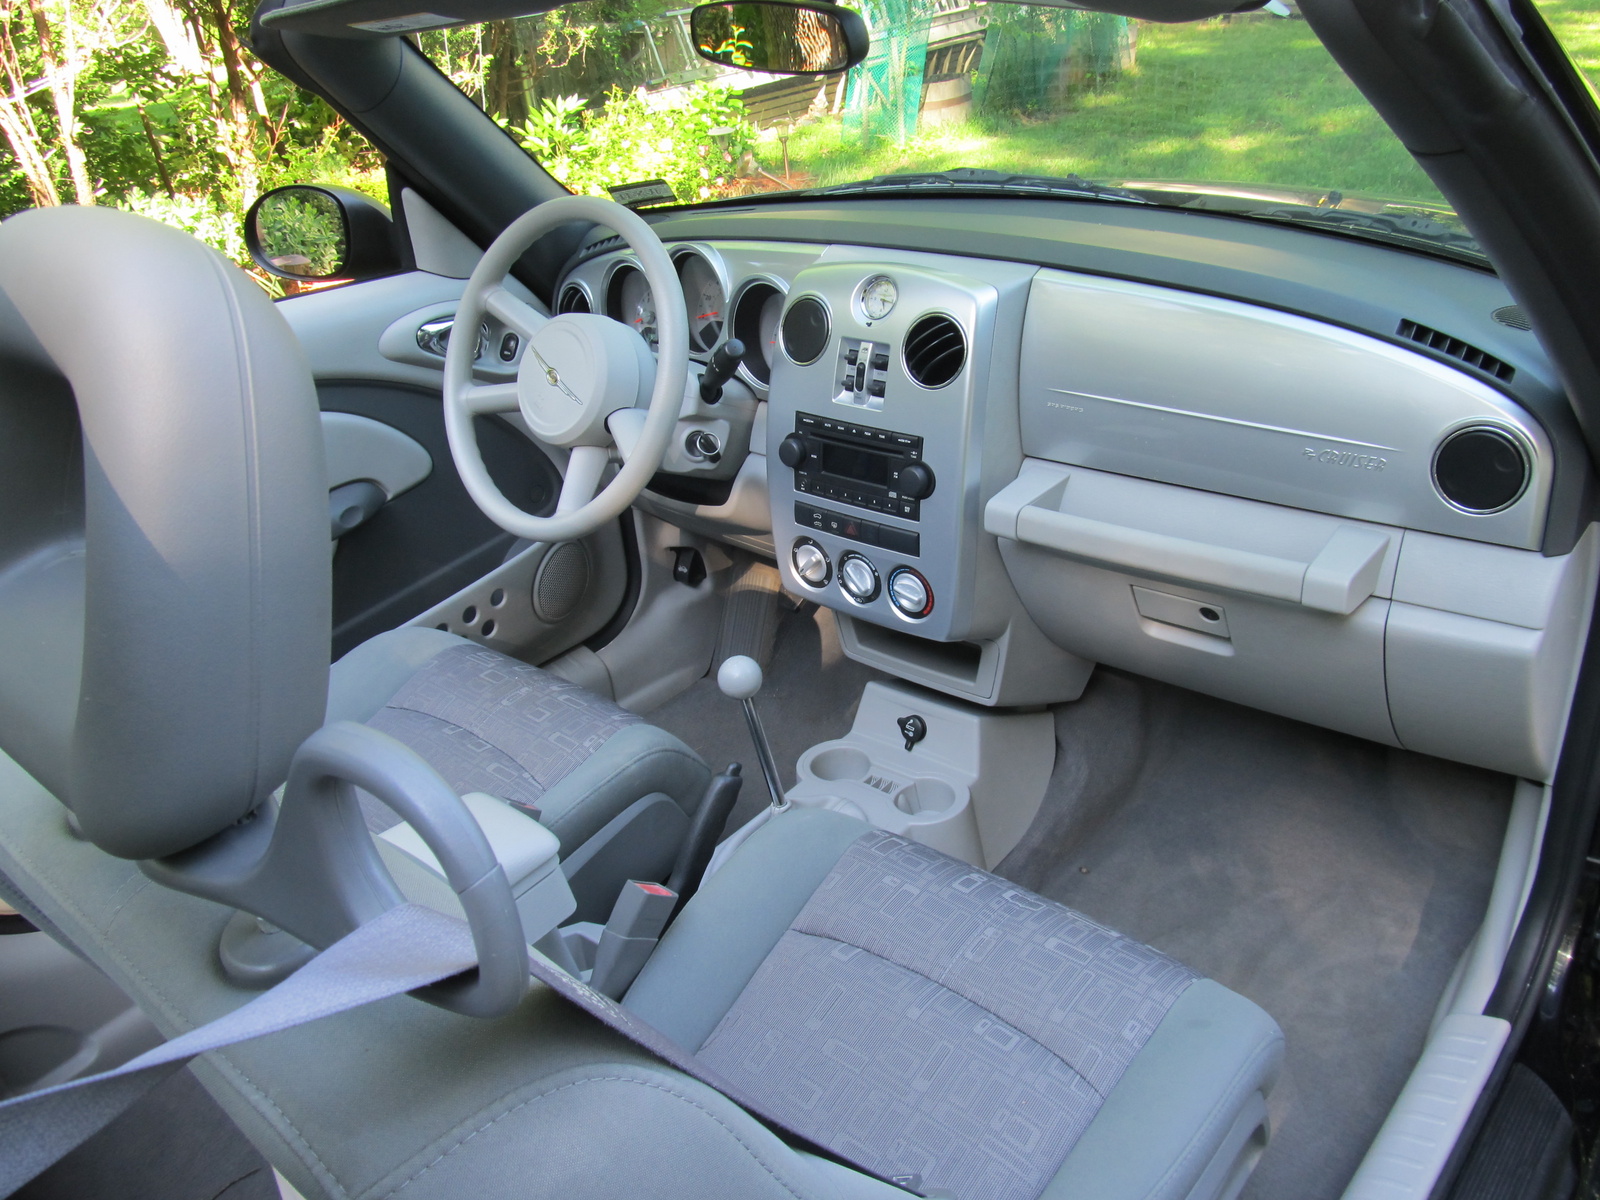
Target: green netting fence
[(1035, 58), (885, 92)]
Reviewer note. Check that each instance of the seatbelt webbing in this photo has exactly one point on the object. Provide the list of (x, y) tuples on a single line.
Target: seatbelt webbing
[(405, 948)]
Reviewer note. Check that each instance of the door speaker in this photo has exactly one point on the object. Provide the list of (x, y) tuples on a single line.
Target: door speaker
[(561, 582)]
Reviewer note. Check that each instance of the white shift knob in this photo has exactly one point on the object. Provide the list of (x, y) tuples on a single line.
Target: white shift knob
[(739, 677)]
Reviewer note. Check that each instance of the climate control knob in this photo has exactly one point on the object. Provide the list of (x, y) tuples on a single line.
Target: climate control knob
[(858, 578), (910, 593), (810, 562), (792, 450), (916, 481)]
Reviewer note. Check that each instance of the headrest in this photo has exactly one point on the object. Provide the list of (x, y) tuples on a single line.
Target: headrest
[(163, 632)]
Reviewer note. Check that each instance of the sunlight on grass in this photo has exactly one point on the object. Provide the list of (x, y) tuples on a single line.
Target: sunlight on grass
[(1249, 101)]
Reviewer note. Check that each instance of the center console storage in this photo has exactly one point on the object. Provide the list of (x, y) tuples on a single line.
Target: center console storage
[(964, 780)]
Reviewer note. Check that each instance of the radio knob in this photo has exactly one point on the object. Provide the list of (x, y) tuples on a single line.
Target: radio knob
[(810, 562), (916, 481), (858, 578), (910, 593), (792, 450)]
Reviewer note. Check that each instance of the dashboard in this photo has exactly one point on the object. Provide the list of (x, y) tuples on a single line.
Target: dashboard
[(1006, 441)]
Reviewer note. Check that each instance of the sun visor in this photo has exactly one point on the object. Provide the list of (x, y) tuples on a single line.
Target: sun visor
[(390, 18)]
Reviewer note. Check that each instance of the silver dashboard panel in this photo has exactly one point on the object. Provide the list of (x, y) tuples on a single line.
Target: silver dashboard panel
[(1247, 401)]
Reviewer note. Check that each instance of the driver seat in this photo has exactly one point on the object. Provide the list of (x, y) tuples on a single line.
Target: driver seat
[(920, 1016)]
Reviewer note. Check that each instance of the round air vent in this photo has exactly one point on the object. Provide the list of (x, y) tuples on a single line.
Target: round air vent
[(561, 582), (805, 330), (1513, 316), (1480, 469), (573, 300), (935, 351)]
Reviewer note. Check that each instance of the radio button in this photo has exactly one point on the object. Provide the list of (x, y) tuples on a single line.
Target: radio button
[(858, 578), (909, 593), (810, 562)]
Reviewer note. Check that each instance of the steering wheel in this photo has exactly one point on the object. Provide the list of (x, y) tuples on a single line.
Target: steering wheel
[(583, 383)]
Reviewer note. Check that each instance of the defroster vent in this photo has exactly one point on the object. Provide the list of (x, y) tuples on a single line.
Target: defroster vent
[(935, 351), (1457, 349)]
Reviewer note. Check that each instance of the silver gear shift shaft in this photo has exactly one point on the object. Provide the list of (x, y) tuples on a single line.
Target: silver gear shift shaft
[(740, 678)]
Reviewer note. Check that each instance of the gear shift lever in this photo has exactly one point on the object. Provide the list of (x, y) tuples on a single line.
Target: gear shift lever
[(740, 678)]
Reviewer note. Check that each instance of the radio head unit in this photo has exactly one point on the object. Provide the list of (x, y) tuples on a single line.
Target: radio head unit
[(876, 469)]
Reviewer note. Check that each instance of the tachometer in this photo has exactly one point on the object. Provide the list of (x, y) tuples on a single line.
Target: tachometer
[(628, 299), (771, 310), (706, 300), (757, 308)]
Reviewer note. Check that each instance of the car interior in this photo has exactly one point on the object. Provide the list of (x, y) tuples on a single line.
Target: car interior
[(1029, 695)]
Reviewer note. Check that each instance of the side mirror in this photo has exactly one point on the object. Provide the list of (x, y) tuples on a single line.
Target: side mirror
[(808, 38), (304, 232)]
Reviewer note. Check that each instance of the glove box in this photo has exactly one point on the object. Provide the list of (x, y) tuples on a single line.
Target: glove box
[(1437, 644)]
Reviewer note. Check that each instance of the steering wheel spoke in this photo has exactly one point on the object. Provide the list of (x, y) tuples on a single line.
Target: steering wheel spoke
[(584, 469), (517, 315), (485, 398)]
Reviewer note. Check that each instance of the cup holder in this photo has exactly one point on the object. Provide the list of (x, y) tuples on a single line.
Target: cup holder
[(925, 796), (841, 762)]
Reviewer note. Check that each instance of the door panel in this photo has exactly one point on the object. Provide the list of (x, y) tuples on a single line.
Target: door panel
[(431, 541)]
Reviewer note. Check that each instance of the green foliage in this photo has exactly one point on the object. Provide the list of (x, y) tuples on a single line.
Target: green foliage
[(696, 147), (302, 233), (197, 215)]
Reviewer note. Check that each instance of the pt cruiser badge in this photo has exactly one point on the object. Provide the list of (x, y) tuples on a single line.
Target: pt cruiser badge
[(1347, 458)]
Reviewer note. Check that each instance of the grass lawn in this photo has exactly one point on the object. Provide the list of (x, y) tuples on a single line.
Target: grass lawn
[(1250, 101), (1577, 25)]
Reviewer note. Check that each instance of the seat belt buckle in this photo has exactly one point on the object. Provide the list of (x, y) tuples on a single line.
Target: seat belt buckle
[(637, 918)]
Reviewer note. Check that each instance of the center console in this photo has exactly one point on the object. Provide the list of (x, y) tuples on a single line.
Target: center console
[(875, 431)]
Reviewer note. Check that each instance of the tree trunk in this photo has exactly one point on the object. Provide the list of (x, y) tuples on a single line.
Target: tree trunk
[(61, 76), (16, 118)]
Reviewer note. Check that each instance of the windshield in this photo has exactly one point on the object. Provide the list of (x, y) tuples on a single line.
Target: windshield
[(1245, 114)]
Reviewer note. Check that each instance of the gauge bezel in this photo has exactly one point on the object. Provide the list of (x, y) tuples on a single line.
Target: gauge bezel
[(789, 301), (745, 285), (684, 250), (581, 287), (612, 288)]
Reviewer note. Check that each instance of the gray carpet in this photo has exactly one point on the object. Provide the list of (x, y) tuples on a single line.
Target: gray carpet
[(1333, 881)]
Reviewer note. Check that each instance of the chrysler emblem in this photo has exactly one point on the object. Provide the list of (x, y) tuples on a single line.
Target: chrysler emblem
[(554, 377)]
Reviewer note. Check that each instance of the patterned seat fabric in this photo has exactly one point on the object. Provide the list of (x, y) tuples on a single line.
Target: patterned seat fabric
[(488, 723), (930, 1019)]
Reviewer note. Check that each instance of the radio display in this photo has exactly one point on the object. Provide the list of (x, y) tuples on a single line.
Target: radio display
[(852, 462)]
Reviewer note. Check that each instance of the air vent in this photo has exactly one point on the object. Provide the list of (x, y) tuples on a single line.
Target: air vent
[(1457, 349), (935, 351), (573, 300), (603, 244), (1513, 316)]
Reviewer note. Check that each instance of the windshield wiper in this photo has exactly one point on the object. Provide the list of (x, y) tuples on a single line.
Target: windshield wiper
[(979, 179), (1416, 230)]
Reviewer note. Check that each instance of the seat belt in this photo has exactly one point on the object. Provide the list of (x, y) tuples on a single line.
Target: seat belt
[(405, 948)]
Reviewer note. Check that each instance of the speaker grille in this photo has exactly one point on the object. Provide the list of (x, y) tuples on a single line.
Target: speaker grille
[(935, 351), (1513, 316), (805, 330), (561, 582), (1481, 469)]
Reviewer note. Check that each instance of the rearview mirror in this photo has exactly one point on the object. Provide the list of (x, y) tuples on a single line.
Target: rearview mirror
[(779, 38)]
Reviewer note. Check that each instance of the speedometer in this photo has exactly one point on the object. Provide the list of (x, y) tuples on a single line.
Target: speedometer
[(706, 300)]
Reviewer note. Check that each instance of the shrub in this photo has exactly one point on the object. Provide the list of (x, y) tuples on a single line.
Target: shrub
[(696, 147)]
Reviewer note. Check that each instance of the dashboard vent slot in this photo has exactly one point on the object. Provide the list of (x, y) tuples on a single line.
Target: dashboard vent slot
[(1457, 349), (573, 300), (935, 351)]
